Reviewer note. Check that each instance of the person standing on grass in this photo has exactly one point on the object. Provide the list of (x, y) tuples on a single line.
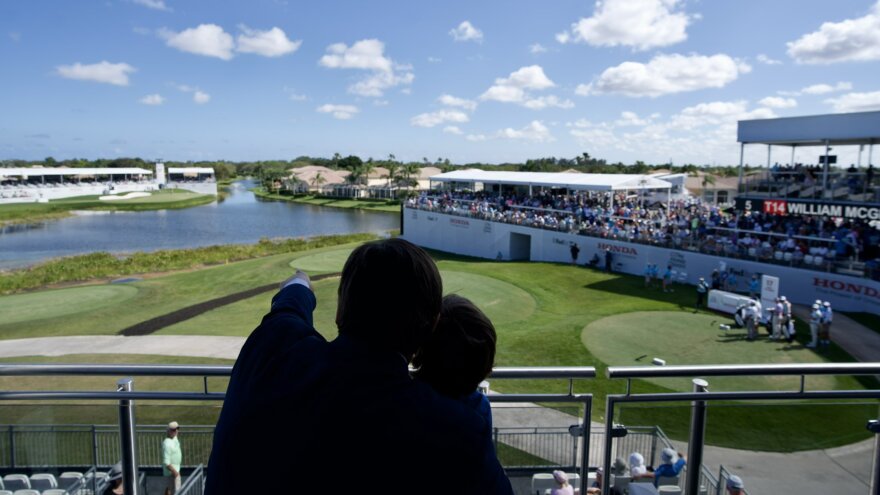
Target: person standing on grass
[(815, 323), (827, 318), (171, 459), (667, 279), (702, 288), (575, 251), (351, 401), (609, 258)]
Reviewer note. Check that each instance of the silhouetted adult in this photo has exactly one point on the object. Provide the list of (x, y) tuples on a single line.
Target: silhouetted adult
[(302, 412)]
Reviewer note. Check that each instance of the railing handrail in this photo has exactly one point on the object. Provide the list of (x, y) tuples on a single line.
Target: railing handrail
[(743, 370), (563, 372)]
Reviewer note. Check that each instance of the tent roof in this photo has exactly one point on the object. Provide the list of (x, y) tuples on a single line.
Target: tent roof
[(583, 182), (38, 171), (812, 130), (191, 170)]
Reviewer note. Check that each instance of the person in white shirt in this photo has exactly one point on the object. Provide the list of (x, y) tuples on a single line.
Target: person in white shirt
[(815, 322), (778, 314), (827, 317)]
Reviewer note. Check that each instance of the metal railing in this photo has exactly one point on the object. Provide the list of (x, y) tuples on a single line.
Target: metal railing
[(194, 484), (126, 395), (701, 396)]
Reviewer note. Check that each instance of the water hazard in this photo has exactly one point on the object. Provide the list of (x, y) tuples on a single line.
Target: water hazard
[(240, 219)]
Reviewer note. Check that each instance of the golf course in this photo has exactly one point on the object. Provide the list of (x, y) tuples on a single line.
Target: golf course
[(545, 314)]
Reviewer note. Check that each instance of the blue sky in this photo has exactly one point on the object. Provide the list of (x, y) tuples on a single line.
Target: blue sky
[(626, 80)]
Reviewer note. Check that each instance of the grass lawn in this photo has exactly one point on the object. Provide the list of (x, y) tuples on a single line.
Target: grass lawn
[(546, 315), (392, 206), (158, 200)]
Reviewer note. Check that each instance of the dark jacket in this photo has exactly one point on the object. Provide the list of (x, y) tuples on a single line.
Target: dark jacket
[(302, 414)]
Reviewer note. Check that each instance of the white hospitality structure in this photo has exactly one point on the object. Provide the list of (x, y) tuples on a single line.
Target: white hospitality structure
[(41, 184), (196, 179), (478, 180)]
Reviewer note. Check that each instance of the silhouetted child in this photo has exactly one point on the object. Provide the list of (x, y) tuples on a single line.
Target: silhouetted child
[(459, 354)]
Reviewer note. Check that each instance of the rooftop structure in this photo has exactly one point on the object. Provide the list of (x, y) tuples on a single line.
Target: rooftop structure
[(62, 171), (573, 181)]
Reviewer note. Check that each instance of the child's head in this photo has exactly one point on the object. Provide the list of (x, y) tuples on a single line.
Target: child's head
[(461, 351)]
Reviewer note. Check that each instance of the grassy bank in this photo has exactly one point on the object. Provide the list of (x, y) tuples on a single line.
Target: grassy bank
[(105, 265), (392, 206), (160, 200)]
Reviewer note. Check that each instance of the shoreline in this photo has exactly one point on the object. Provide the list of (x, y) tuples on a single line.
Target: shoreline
[(385, 206), (35, 213)]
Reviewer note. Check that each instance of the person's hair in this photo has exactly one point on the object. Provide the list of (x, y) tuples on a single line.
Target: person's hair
[(461, 352), (389, 296)]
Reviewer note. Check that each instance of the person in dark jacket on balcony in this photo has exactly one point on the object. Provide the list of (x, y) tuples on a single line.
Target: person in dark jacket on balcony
[(300, 410)]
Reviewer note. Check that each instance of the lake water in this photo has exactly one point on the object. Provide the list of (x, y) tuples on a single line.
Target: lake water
[(240, 219)]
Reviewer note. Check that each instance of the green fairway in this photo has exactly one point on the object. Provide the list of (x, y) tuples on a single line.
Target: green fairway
[(62, 302), (545, 314), (634, 339), (390, 206)]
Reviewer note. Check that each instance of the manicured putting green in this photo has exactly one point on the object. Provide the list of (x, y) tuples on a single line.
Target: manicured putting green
[(679, 337), (327, 261), (53, 303), (502, 302)]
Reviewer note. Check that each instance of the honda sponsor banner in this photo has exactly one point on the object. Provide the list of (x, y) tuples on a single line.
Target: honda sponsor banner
[(817, 208), (477, 238)]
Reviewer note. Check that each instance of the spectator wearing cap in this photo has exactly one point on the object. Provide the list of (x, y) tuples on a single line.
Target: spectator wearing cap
[(752, 314), (171, 459), (815, 323), (702, 288), (754, 286), (114, 479), (735, 485), (827, 317), (564, 487), (637, 468), (672, 464)]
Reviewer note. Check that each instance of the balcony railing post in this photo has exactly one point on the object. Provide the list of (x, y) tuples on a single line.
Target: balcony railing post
[(94, 445), (12, 446), (585, 447), (127, 441), (654, 445), (697, 437), (874, 427), (606, 457)]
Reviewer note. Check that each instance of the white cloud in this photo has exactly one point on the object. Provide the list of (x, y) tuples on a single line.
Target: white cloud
[(454, 101), (153, 4), (536, 131), (821, 89), (364, 54), (102, 72), (764, 59), (297, 97), (452, 129), (341, 112), (641, 24), (537, 48), (466, 32), (845, 41), (368, 55), (631, 119), (516, 89), (439, 117), (435, 60), (270, 43), (200, 97), (381, 103), (856, 102), (209, 40), (778, 102), (543, 102), (666, 74), (153, 99)]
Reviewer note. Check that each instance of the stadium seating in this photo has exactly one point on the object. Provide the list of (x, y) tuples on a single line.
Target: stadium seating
[(671, 489), (68, 478), (667, 480), (26, 492), (6, 492), (43, 481), (54, 491), (14, 482)]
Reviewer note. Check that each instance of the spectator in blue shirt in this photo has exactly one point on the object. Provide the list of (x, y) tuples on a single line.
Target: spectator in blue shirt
[(672, 465)]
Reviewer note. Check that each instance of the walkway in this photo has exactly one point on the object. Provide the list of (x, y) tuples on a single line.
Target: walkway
[(847, 469), (860, 342)]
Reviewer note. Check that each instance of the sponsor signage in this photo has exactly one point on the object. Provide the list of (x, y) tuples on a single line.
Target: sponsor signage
[(460, 223), (784, 207), (769, 292), (617, 249)]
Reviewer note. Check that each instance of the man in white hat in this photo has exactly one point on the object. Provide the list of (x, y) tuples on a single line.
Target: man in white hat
[(735, 485), (815, 321), (171, 459), (827, 316)]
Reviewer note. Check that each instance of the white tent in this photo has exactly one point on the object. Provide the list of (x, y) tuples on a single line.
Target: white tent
[(577, 181), (50, 171)]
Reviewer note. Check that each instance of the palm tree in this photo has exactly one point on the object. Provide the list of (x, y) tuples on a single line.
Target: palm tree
[(409, 170), (393, 168), (317, 180), (367, 169)]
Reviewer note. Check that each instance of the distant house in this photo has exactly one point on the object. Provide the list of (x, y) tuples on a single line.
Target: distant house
[(425, 173), (712, 188), (315, 178)]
